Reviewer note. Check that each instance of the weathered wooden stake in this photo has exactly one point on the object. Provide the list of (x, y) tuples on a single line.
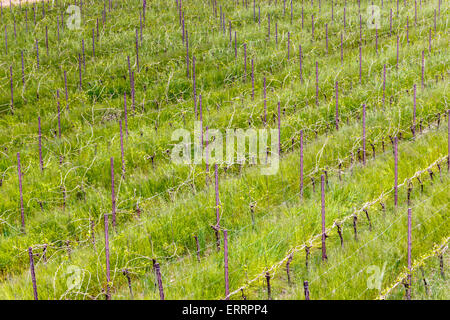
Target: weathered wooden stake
[(384, 84), (125, 112), (108, 273), (396, 171), (217, 226), (113, 197), (301, 164), (59, 113), (19, 171), (322, 188), (225, 253), (364, 135), (279, 130), (408, 285), (12, 88), (448, 140), (337, 106), (121, 149)]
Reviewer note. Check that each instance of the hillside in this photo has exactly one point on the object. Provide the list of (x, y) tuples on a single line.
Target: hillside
[(116, 175)]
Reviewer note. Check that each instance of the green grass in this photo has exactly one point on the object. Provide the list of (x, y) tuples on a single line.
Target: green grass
[(175, 201)]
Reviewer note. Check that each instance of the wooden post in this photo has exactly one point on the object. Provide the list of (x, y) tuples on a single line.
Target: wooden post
[(200, 110), (12, 88), (279, 130), (384, 84), (396, 171), (225, 250), (194, 85), (322, 187), (360, 62), (19, 171), (133, 96), (217, 207), (301, 164), (187, 54), (448, 143), (207, 155), (108, 274), (41, 163), (414, 112), (113, 197), (337, 106), (33, 275), (158, 276), (364, 134), (23, 69), (408, 285)]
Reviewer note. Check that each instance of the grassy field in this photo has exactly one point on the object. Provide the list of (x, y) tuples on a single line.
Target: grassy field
[(71, 84)]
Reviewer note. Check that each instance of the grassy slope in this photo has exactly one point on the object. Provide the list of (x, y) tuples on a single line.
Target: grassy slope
[(88, 124)]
